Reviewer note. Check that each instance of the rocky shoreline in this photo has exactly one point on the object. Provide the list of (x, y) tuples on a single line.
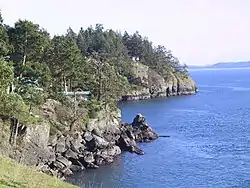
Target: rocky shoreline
[(51, 147), (150, 84), (104, 138), (158, 95), (90, 149)]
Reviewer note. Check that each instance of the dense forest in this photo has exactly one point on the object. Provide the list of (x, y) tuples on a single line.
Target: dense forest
[(36, 66)]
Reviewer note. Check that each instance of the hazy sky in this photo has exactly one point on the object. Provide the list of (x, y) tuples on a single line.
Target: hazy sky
[(197, 31)]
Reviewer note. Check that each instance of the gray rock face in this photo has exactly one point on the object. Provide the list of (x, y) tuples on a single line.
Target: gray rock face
[(88, 157), (114, 151), (77, 146), (58, 165), (64, 161), (99, 160), (127, 144), (68, 141), (38, 135), (69, 154), (76, 168), (100, 142), (151, 84), (138, 131), (88, 136), (35, 142), (60, 146), (52, 155), (66, 154), (66, 171), (92, 166)]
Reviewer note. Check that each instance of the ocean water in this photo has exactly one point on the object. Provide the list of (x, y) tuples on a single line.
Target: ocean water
[(209, 143)]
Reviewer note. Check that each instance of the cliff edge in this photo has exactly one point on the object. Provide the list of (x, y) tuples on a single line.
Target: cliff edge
[(147, 83), (52, 148)]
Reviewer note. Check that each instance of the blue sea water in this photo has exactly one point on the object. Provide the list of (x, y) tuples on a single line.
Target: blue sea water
[(209, 143)]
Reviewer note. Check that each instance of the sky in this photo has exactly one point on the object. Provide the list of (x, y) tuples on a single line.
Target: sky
[(198, 32)]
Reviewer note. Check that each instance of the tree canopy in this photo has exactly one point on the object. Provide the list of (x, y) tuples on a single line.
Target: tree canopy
[(99, 60)]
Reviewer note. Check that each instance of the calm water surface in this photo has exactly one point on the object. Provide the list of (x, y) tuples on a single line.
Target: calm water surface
[(209, 144)]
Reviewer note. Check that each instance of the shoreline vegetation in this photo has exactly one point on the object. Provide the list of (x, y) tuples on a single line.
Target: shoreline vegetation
[(59, 94)]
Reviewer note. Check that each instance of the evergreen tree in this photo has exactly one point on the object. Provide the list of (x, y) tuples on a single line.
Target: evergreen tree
[(65, 62), (4, 41), (70, 33), (29, 43)]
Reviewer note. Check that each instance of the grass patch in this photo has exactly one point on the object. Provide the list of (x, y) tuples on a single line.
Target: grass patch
[(13, 175)]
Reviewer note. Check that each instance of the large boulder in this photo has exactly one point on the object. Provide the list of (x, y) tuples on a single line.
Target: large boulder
[(106, 120), (64, 161), (76, 168), (110, 151), (139, 121), (99, 160), (66, 171), (141, 130), (77, 144), (37, 135), (100, 142), (87, 158), (128, 144), (88, 136), (69, 154), (113, 151), (138, 131)]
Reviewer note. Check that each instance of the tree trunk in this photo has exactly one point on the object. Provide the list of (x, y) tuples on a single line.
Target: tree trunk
[(70, 85), (65, 84), (73, 124), (8, 89), (16, 131), (30, 108), (23, 63), (24, 53), (99, 98), (12, 129)]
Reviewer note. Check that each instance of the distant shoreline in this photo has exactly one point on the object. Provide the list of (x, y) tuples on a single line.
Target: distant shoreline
[(201, 69)]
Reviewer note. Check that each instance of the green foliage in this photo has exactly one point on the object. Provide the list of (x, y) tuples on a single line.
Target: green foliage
[(31, 95), (4, 39), (4, 45), (94, 59), (12, 104), (65, 62), (6, 76), (38, 73), (29, 39), (85, 122), (93, 107)]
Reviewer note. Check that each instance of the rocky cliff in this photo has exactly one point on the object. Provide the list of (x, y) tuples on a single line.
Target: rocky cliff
[(62, 152), (52, 147), (149, 84), (103, 139)]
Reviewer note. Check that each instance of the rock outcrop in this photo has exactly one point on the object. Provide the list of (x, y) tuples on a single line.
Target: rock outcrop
[(151, 84), (90, 149), (103, 139)]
